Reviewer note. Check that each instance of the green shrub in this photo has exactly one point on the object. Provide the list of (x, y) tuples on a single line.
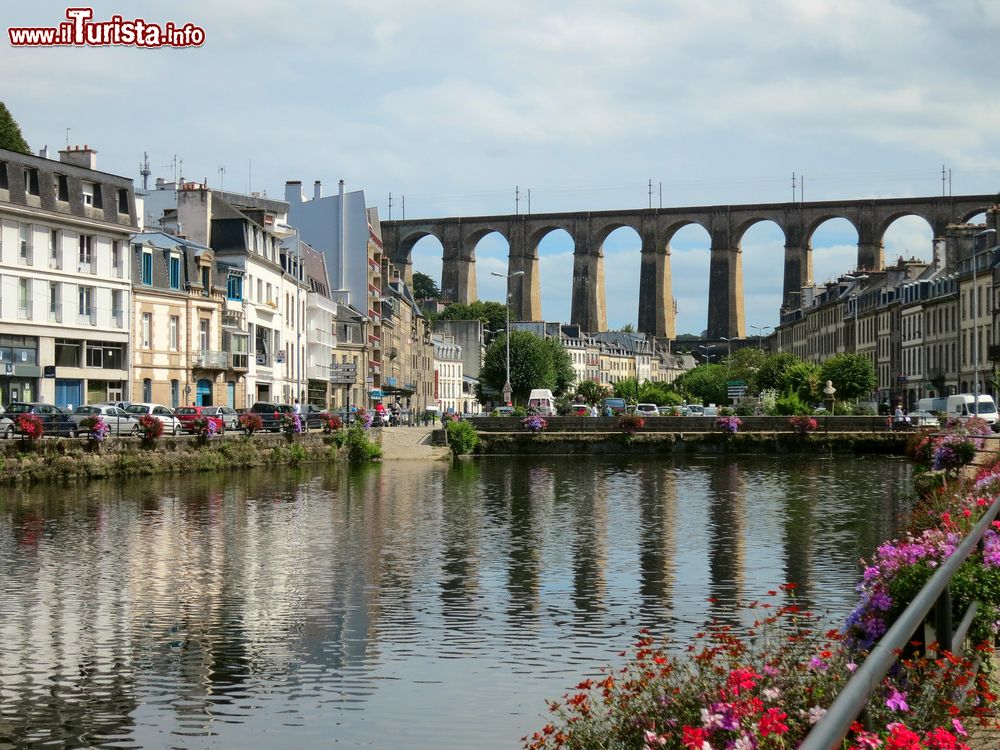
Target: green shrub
[(296, 454), (462, 437), (359, 447), (790, 405)]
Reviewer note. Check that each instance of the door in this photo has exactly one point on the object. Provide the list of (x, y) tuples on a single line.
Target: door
[(204, 393), (231, 394), (69, 393)]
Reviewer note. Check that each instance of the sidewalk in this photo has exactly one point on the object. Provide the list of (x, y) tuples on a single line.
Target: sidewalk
[(411, 443)]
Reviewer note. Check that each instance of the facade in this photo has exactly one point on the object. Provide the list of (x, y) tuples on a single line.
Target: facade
[(182, 354), (448, 375), (64, 279)]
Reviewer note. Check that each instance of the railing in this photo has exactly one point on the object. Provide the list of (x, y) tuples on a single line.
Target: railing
[(830, 731), (210, 359)]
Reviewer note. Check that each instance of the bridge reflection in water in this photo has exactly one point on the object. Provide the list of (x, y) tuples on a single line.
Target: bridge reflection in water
[(406, 603)]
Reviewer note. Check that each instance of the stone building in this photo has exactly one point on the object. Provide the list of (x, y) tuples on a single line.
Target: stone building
[(64, 279)]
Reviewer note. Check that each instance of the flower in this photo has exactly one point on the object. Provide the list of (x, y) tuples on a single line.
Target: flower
[(204, 428), (897, 701), (534, 423), (729, 424), (291, 423), (802, 424), (331, 423), (631, 423), (29, 426), (150, 427), (98, 428), (250, 422)]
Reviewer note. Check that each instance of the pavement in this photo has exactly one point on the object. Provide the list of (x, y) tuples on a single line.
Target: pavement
[(411, 444)]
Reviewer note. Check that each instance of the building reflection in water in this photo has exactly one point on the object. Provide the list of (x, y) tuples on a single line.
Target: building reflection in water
[(267, 602)]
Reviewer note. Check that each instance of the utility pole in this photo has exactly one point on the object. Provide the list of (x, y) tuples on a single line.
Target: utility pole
[(517, 199), (390, 206)]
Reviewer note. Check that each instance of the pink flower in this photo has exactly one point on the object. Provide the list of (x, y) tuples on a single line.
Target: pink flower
[(897, 701)]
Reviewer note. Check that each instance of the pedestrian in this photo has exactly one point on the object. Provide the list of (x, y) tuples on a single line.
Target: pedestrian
[(593, 410), (298, 408)]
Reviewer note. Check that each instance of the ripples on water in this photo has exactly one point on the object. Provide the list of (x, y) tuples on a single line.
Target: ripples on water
[(408, 605)]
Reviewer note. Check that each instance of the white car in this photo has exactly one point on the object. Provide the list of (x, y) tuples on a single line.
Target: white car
[(923, 418), (647, 410), (171, 424)]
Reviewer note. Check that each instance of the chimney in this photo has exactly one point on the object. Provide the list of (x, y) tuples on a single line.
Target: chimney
[(44, 153), (317, 190), (293, 191), (80, 157)]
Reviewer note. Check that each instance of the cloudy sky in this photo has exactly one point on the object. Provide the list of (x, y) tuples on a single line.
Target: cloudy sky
[(454, 104)]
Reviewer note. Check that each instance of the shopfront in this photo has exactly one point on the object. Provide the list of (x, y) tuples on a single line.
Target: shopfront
[(19, 371)]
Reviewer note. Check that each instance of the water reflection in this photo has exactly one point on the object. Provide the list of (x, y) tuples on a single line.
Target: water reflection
[(390, 604)]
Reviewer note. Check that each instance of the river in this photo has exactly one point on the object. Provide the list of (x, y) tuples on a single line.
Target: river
[(406, 604)]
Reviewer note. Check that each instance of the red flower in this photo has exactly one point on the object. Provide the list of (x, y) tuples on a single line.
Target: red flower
[(694, 738), (742, 679), (772, 722), (902, 738)]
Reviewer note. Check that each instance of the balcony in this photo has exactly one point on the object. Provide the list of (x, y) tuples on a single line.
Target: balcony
[(55, 313), (24, 311), (210, 360)]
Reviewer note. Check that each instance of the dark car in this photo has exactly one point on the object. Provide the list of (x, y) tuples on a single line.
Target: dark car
[(313, 417), (615, 406), (271, 414), (55, 421)]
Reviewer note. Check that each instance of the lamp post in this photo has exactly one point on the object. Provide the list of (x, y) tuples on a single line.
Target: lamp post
[(760, 332), (507, 391), (729, 345), (706, 355)]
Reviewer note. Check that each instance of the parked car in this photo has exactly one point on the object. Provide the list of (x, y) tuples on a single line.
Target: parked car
[(579, 410), (504, 411), (271, 414), (313, 417), (119, 421), (55, 421), (187, 415), (616, 405), (171, 424), (647, 410), (923, 418), (695, 410)]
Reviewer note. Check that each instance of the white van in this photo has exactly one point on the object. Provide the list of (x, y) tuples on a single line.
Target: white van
[(933, 404), (542, 402), (962, 406)]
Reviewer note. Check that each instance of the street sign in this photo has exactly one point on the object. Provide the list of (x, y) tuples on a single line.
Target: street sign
[(507, 393), (736, 388), (343, 374)]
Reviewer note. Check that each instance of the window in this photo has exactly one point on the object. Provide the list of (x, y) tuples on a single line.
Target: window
[(24, 235), (61, 185), (116, 258), (147, 330), (173, 328), (175, 393), (86, 249), (31, 181), (23, 299), (55, 304), (234, 287), (92, 195), (175, 272), (86, 299), (67, 353), (260, 291), (117, 307), (205, 281), (4, 184), (122, 201), (54, 243), (203, 334), (147, 390), (147, 267)]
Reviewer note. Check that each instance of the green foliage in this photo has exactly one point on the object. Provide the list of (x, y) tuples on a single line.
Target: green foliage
[(359, 447), (660, 394), (771, 374), (562, 365), (705, 384), (803, 379), (493, 314), (628, 389), (745, 364), (532, 365), (853, 375), (591, 391), (296, 454), (424, 287), (462, 437), (791, 404), (10, 132)]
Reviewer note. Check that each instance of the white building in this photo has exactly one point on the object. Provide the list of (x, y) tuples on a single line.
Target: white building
[(64, 279), (448, 375)]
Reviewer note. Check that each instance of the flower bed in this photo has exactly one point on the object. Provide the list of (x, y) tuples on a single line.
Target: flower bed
[(534, 423), (802, 424), (96, 427), (631, 423), (729, 424)]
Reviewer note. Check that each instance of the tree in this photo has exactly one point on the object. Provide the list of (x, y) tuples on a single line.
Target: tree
[(493, 314), (424, 287), (530, 365), (592, 392), (705, 383), (853, 375), (562, 366), (771, 373), (628, 389), (10, 132), (802, 379), (745, 364)]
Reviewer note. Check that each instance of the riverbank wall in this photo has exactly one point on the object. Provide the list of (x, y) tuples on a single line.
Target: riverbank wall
[(653, 443)]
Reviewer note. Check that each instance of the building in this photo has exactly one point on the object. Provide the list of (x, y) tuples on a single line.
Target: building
[(64, 279), (448, 375), (182, 353)]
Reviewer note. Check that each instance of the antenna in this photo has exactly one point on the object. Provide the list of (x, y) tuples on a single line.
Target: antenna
[(390, 206), (650, 190), (173, 164), (793, 187), (517, 199), (222, 176), (67, 138), (145, 171), (943, 191)]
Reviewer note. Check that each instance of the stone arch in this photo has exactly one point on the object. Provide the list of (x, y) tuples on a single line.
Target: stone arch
[(763, 290), (426, 255), (834, 241), (622, 250), (920, 242), (535, 261), (687, 247), (490, 249), (402, 257)]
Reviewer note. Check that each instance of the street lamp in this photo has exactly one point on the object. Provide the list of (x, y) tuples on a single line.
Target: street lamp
[(760, 332), (507, 391), (729, 345), (706, 356)]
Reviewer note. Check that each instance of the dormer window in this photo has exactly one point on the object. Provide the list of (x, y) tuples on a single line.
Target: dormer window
[(92, 195), (122, 201), (31, 181), (61, 185)]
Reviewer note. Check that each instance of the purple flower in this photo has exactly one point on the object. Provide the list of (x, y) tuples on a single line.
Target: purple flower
[(897, 700)]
